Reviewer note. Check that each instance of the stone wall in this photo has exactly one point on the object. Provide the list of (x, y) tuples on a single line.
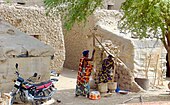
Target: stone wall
[(118, 4), (27, 2), (74, 47), (132, 51), (107, 29), (79, 37), (75, 43), (108, 2), (33, 21), (76, 40), (114, 4), (125, 79)]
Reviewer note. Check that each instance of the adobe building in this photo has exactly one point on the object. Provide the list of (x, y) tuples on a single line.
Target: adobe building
[(136, 56), (33, 21), (139, 58), (32, 56), (112, 4)]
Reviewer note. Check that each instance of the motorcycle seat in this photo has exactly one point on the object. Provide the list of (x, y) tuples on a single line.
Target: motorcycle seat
[(39, 85), (42, 83)]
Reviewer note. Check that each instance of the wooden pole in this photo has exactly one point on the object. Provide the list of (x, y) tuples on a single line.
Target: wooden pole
[(93, 40), (115, 61), (148, 65), (156, 69), (94, 64), (118, 59), (114, 69)]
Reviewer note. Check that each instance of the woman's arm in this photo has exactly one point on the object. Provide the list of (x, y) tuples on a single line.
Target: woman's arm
[(90, 59)]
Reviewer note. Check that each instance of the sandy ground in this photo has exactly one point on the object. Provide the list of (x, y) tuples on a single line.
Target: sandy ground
[(66, 87)]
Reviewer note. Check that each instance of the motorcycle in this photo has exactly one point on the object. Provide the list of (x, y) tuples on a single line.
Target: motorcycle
[(30, 92)]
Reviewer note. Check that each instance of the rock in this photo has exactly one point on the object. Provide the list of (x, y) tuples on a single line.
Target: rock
[(169, 85)]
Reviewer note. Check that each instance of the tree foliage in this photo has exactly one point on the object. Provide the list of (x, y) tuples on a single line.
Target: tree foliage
[(144, 18), (148, 18), (73, 10)]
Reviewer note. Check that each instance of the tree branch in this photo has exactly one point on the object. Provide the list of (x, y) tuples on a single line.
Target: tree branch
[(164, 42)]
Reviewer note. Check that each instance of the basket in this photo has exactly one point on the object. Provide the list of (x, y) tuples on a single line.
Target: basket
[(103, 87), (112, 86)]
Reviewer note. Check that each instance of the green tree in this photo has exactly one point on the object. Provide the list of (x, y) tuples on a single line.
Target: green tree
[(74, 11), (148, 18)]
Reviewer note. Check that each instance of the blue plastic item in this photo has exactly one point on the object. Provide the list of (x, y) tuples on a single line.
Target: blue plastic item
[(117, 89)]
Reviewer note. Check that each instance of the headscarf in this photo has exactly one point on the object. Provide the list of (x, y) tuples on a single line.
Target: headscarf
[(110, 56), (86, 52)]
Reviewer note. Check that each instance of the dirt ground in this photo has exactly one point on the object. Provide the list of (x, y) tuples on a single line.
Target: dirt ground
[(66, 87)]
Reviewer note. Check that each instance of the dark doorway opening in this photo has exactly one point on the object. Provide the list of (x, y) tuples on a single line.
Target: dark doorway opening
[(110, 7), (167, 66)]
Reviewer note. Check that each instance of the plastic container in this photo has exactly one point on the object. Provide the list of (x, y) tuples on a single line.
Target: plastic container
[(94, 95)]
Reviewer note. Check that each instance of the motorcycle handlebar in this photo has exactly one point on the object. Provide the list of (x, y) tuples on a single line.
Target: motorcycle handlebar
[(58, 74), (29, 80), (17, 73)]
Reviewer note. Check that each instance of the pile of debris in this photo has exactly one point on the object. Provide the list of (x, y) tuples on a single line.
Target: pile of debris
[(4, 99)]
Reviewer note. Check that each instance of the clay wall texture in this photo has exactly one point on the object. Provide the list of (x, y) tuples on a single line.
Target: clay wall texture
[(33, 21)]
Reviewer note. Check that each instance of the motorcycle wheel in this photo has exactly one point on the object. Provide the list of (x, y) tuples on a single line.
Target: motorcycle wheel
[(39, 94), (12, 98), (36, 103), (23, 97)]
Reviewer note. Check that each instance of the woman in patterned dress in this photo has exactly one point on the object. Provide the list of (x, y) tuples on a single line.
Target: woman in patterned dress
[(107, 65), (84, 72)]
